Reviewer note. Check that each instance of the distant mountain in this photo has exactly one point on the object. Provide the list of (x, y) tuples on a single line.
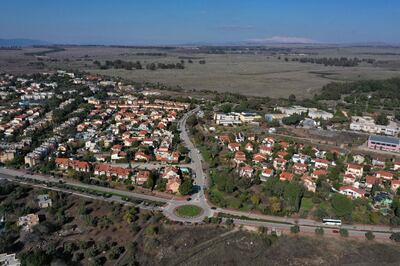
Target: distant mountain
[(21, 42)]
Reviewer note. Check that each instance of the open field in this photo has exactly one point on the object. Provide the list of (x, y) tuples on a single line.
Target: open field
[(260, 73), (204, 245)]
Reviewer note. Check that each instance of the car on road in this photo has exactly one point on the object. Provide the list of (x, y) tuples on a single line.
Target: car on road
[(213, 208), (335, 231), (188, 199)]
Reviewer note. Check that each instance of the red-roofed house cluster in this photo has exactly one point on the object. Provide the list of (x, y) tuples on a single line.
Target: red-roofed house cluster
[(267, 157)]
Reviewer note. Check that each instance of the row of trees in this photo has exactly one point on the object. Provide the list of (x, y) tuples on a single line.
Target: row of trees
[(388, 89), (119, 64), (155, 66), (128, 65), (333, 61)]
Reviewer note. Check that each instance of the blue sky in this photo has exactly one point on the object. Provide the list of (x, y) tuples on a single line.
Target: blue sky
[(201, 21)]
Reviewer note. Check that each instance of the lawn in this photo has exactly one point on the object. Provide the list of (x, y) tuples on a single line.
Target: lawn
[(205, 153), (188, 211), (306, 204)]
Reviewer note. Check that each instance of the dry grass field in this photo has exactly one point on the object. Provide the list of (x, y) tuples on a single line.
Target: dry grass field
[(261, 74)]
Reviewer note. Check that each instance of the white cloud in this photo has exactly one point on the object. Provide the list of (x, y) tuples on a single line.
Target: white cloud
[(284, 39)]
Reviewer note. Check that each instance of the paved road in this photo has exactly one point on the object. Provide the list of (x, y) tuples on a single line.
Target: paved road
[(200, 180), (113, 198), (200, 200), (307, 222), (11, 174)]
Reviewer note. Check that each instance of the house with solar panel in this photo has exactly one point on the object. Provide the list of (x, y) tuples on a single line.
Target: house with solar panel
[(384, 143)]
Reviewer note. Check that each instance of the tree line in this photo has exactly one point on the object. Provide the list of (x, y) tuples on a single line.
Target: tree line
[(333, 61)]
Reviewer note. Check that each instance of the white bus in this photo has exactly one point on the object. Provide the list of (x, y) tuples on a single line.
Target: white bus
[(332, 222)]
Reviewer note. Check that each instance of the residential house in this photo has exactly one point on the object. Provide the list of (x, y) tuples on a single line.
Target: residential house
[(234, 146), (27, 222), (317, 173), (321, 164), (349, 179), (279, 163), (141, 156), (355, 169), (173, 185), (246, 171), (285, 145), (282, 154), (266, 150), (309, 183), (286, 176), (394, 185), (44, 201), (240, 157), (66, 163), (7, 155), (384, 175), (142, 176), (352, 192), (170, 172), (249, 147), (266, 173), (112, 171), (299, 168), (258, 158), (371, 181), (300, 158)]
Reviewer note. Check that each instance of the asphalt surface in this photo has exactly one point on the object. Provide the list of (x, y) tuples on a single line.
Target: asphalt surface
[(199, 199)]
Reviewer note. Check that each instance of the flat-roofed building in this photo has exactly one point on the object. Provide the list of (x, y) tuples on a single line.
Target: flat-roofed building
[(384, 143), (367, 124), (227, 119)]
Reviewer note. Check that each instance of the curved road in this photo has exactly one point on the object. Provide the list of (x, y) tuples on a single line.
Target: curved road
[(200, 180), (199, 199)]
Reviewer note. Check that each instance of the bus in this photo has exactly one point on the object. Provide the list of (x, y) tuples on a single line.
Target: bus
[(332, 222)]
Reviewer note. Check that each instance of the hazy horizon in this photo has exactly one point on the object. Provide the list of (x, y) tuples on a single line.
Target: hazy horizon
[(210, 22)]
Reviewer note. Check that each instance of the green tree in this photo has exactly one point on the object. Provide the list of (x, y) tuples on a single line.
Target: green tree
[(255, 199), (342, 205), (319, 231), (293, 194), (295, 229), (395, 237), (369, 235), (343, 232), (186, 187), (36, 257), (382, 119)]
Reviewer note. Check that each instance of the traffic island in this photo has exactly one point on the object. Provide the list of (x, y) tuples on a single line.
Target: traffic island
[(188, 211)]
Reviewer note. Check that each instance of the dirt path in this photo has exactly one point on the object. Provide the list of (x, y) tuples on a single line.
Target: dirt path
[(202, 246)]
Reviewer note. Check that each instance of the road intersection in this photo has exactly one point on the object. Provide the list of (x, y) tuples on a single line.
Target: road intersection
[(199, 199)]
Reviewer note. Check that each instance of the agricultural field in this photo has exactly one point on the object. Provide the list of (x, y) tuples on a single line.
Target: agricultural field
[(261, 72)]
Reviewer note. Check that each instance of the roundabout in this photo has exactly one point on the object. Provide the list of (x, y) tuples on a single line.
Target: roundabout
[(188, 211)]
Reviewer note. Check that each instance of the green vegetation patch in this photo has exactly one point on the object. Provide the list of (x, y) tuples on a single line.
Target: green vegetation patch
[(188, 211), (307, 204)]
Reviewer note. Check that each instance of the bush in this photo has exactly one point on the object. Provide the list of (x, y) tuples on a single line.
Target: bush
[(229, 222), (319, 231), (116, 252), (369, 235), (295, 229), (344, 232), (395, 237), (342, 205)]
